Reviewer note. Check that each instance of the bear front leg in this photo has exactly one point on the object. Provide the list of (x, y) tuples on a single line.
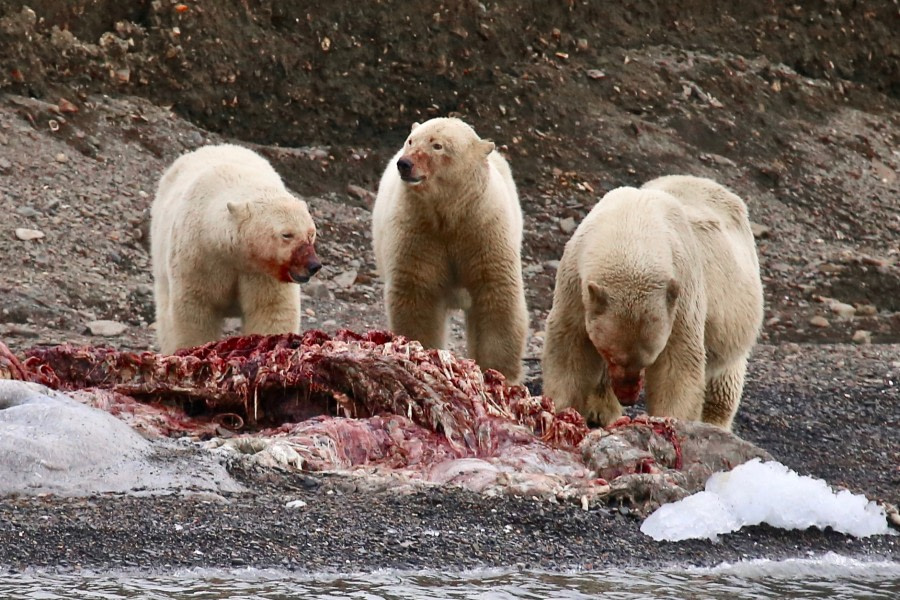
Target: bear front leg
[(496, 328), (575, 374), (417, 311), (723, 394), (675, 383), (268, 307), (602, 408)]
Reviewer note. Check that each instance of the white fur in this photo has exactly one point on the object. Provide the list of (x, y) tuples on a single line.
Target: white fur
[(687, 229), (208, 257), (453, 241)]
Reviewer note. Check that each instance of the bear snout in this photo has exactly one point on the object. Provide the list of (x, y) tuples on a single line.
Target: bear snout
[(628, 388), (304, 264), (626, 382), (405, 166)]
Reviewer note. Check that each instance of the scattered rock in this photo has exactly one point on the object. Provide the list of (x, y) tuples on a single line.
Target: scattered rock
[(862, 337), (819, 321), (361, 193), (567, 225), (866, 310), (829, 268), (346, 279), (61, 158), (5, 165), (883, 172), (719, 160), (26, 235), (875, 261), (106, 328), (317, 289), (27, 211), (596, 74), (67, 107), (842, 310), (781, 266), (760, 232)]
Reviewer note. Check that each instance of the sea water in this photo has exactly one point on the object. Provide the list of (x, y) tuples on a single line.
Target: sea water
[(828, 576)]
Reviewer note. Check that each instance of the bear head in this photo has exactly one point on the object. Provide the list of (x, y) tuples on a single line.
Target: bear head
[(277, 235), (441, 151), (629, 321)]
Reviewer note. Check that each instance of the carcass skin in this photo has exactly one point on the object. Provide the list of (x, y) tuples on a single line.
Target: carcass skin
[(381, 406)]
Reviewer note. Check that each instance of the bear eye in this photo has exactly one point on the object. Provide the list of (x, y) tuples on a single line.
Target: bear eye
[(409, 142), (287, 236), (437, 146)]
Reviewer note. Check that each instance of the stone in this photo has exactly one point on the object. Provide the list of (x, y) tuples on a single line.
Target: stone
[(106, 328), (862, 337), (567, 225), (759, 231), (830, 268), (842, 310), (317, 289), (27, 211), (819, 321), (61, 158), (361, 193), (866, 310), (346, 279), (27, 235)]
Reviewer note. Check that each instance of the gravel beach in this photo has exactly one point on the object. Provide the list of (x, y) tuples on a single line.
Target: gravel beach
[(797, 109)]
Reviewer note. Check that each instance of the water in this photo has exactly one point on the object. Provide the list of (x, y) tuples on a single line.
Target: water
[(830, 576)]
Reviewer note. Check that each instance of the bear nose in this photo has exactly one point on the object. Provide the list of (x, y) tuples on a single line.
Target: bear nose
[(404, 165), (314, 267)]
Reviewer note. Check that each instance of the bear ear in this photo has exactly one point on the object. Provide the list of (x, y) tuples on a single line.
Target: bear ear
[(486, 146), (414, 125), (673, 289), (239, 210), (598, 298)]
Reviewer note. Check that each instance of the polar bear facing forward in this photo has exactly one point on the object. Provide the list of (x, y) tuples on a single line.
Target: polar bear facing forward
[(447, 233), (659, 287), (227, 239)]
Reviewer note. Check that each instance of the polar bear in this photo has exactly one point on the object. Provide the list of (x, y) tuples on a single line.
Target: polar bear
[(659, 282), (447, 233), (227, 239)]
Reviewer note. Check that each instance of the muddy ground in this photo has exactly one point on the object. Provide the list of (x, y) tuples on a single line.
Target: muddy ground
[(796, 107)]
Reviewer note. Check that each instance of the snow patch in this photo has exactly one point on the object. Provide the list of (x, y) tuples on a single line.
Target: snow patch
[(765, 492)]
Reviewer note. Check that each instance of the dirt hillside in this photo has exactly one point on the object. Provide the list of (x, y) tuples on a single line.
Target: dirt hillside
[(796, 106)]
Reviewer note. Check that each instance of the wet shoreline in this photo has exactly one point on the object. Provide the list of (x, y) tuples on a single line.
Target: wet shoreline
[(342, 530)]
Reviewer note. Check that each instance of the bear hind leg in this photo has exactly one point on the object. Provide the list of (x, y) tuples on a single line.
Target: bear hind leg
[(723, 394)]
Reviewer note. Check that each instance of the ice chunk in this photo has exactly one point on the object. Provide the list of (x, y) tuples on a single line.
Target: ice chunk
[(765, 492), (701, 515), (50, 443)]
